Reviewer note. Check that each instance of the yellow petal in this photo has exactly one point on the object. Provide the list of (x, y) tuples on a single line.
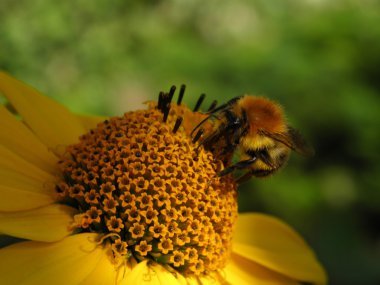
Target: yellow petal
[(150, 273), (22, 185), (90, 122), (51, 122), (214, 278), (14, 199), (49, 223), (15, 136), (69, 261), (105, 273), (201, 281), (243, 271), (19, 192), (11, 161), (271, 243)]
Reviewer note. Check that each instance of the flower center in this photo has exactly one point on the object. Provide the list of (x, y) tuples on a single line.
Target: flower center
[(150, 193)]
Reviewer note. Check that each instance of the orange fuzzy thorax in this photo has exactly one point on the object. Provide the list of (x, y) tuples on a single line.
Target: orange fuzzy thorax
[(263, 114)]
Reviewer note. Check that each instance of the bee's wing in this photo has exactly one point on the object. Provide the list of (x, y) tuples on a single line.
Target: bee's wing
[(299, 143), (294, 140)]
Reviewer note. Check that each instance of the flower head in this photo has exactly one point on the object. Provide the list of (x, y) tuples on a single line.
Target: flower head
[(129, 199), (157, 186)]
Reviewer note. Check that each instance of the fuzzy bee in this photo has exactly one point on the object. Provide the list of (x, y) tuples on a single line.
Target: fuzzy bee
[(257, 128)]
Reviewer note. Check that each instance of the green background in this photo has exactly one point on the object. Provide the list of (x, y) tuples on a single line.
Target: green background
[(319, 59)]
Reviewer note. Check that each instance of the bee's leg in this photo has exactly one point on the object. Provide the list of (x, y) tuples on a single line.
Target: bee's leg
[(263, 173), (232, 132), (232, 141), (230, 147), (213, 138), (245, 177), (239, 165), (198, 135), (257, 173), (209, 140), (235, 129)]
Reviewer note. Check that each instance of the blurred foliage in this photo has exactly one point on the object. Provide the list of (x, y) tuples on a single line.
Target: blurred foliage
[(319, 59)]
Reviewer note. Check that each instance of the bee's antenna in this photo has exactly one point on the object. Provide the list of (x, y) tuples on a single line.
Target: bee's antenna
[(198, 135), (181, 93), (199, 102), (212, 106), (225, 105), (201, 123), (177, 124)]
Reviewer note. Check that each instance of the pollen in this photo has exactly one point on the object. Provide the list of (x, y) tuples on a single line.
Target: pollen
[(144, 186)]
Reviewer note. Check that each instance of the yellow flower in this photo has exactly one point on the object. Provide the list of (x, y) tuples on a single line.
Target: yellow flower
[(128, 200)]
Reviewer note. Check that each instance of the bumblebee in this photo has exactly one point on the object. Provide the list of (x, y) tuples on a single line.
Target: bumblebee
[(257, 127)]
